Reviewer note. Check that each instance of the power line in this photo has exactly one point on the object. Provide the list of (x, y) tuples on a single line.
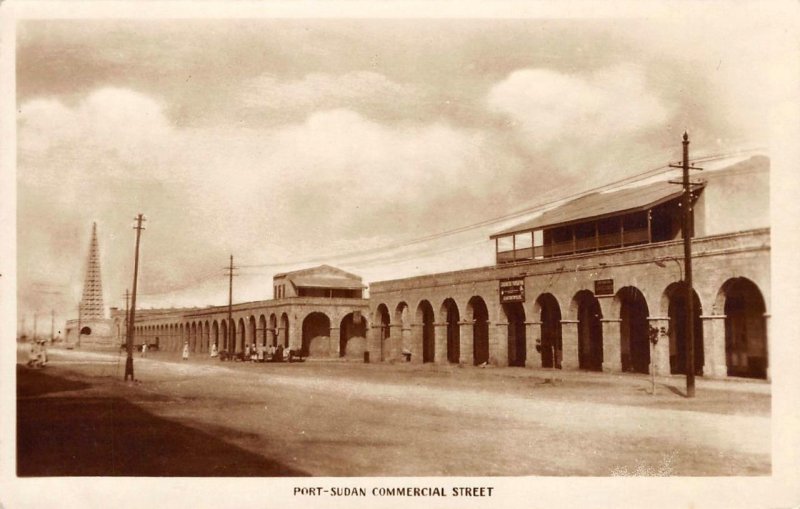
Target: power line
[(362, 257)]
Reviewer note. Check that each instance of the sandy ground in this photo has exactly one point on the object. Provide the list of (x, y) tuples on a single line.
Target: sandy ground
[(350, 419)]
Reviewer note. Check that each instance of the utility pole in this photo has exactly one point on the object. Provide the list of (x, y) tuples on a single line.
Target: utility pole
[(127, 297), (132, 319), (688, 227), (52, 325), (35, 316), (80, 310), (231, 340)]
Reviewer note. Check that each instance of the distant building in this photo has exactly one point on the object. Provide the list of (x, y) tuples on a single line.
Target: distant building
[(319, 311), (91, 327)]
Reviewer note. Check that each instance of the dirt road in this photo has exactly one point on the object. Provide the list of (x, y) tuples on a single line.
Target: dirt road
[(340, 419)]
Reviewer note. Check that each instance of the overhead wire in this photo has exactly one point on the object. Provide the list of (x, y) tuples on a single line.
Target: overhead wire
[(354, 256)]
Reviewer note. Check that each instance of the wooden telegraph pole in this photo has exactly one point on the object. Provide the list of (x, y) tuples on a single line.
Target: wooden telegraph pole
[(231, 338), (688, 227), (132, 318)]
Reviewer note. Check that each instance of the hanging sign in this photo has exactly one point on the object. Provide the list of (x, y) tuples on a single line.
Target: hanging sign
[(604, 287), (512, 290)]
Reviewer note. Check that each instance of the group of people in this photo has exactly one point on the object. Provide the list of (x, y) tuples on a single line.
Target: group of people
[(253, 353), (37, 357)]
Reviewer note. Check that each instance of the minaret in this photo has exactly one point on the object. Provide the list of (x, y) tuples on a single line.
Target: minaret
[(92, 301)]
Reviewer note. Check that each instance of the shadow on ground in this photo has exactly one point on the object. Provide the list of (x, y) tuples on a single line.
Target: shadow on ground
[(109, 436)]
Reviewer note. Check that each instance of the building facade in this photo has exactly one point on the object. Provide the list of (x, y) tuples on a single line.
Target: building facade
[(320, 312), (596, 283), (588, 284)]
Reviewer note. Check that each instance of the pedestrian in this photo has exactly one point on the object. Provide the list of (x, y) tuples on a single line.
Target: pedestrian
[(33, 355), (214, 351), (253, 353), (186, 350), (246, 353), (144, 350)]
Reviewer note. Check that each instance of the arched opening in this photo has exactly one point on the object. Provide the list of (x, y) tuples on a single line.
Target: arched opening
[(452, 317), (316, 335), (590, 331), (262, 327), (223, 326), (251, 329), (383, 321), (745, 329), (86, 331), (634, 330), (425, 319), (676, 293), (241, 335), (285, 330), (476, 307), (273, 327), (353, 335), (515, 315), (550, 317), (401, 316)]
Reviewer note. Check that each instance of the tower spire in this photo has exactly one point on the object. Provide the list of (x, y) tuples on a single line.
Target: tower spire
[(92, 300)]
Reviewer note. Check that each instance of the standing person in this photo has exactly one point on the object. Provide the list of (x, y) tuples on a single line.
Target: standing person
[(144, 350), (214, 351), (186, 350), (253, 353), (246, 353)]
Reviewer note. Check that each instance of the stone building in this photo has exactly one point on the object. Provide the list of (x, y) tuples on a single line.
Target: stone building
[(320, 311), (585, 284)]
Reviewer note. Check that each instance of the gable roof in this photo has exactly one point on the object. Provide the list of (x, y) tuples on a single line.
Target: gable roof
[(323, 276)]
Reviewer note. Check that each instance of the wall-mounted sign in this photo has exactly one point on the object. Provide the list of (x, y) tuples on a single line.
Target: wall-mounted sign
[(604, 287), (512, 290)]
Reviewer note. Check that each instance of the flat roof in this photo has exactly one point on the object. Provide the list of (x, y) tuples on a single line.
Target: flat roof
[(599, 205)]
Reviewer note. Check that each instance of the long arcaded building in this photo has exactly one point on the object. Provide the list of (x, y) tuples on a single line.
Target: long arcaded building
[(584, 285), (589, 281)]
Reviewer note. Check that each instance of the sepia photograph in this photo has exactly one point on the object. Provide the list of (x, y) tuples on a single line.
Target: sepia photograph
[(352, 253)]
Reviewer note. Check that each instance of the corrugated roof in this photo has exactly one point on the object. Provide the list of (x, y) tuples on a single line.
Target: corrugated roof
[(598, 205), (326, 282)]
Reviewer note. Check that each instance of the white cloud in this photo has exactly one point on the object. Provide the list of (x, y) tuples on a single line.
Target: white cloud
[(322, 91), (548, 106), (293, 191)]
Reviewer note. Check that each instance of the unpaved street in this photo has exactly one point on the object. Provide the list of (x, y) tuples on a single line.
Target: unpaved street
[(351, 419)]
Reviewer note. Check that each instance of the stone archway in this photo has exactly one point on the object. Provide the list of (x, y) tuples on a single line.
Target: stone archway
[(353, 335), (517, 348), (383, 321), (634, 330), (451, 316), (745, 329), (590, 331), (425, 320), (675, 295), (550, 318), (479, 314), (316, 335)]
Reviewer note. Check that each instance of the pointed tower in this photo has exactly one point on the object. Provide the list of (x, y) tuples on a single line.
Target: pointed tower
[(92, 301)]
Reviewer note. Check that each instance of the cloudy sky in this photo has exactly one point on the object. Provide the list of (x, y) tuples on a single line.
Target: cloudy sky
[(354, 142)]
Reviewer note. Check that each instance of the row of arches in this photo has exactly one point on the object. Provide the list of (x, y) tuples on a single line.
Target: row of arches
[(743, 312), (229, 335), (319, 336)]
